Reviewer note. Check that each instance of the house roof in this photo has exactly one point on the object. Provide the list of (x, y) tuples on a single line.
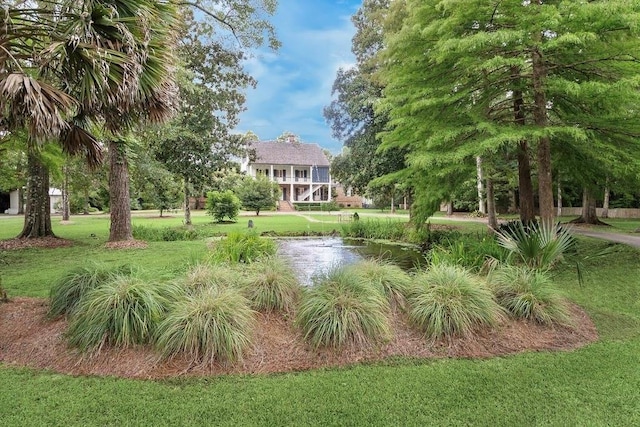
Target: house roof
[(289, 153)]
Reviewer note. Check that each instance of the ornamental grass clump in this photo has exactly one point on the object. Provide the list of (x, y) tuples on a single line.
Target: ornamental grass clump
[(205, 275), (529, 294), (390, 280), (341, 309), (66, 293), (211, 326), (448, 300), (242, 247), (271, 285), (121, 312)]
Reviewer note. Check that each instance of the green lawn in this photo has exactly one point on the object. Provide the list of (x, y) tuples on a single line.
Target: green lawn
[(596, 385)]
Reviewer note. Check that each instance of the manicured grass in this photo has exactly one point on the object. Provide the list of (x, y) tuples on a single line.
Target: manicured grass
[(596, 385)]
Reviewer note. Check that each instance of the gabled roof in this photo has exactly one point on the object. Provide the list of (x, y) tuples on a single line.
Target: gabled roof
[(289, 153)]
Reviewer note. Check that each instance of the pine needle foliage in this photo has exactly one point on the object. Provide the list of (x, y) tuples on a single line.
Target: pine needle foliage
[(529, 294), (123, 311), (448, 300), (342, 309), (66, 293), (242, 247), (271, 285), (211, 326), (388, 279)]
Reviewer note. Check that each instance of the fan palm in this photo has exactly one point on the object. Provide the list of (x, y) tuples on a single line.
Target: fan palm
[(64, 64)]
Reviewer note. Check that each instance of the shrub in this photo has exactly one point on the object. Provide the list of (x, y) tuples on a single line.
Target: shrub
[(374, 229), (212, 325), (448, 300), (223, 204), (388, 279), (121, 312), (529, 294), (340, 309), (242, 247), (538, 246), (272, 286), (66, 293), (164, 234)]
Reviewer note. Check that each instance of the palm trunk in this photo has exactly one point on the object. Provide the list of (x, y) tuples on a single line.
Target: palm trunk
[(525, 186), (545, 181), (65, 194), (37, 218), (119, 198), (491, 205)]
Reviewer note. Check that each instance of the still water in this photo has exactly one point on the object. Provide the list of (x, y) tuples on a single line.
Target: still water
[(312, 256)]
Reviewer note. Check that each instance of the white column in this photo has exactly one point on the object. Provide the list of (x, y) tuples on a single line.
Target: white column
[(291, 186), (311, 183), (329, 196), (271, 173)]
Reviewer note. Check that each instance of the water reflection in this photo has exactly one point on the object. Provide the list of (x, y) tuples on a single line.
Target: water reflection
[(310, 257)]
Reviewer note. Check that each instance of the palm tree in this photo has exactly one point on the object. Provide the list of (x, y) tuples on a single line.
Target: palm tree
[(67, 64)]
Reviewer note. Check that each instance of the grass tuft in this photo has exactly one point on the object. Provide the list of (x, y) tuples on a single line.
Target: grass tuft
[(212, 325), (242, 247), (390, 280), (205, 275), (121, 312), (529, 294), (66, 293), (342, 309), (272, 286), (448, 300)]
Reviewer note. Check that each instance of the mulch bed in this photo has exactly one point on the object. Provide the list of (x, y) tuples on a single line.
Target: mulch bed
[(40, 242), (28, 338)]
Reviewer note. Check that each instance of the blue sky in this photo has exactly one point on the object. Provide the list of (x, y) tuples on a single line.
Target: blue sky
[(294, 83)]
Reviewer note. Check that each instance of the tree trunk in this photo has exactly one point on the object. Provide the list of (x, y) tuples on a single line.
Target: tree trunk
[(491, 205), (85, 210), (513, 201), (481, 205), (66, 210), (588, 208), (187, 202), (119, 198), (525, 186), (559, 198), (605, 204), (37, 218), (21, 201), (450, 208), (545, 181)]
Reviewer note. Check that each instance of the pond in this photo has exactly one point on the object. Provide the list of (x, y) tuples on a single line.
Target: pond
[(312, 256)]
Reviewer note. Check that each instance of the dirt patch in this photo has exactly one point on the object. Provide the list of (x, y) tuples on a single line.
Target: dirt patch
[(40, 242), (126, 244), (28, 338)]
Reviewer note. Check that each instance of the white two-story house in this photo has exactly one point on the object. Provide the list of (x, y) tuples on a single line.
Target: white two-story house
[(301, 170)]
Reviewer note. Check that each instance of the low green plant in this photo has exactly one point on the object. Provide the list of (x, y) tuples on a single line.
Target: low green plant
[(529, 294), (537, 245), (212, 325), (271, 285), (66, 292), (390, 280), (374, 229), (340, 309), (470, 251), (244, 247), (223, 204), (122, 311), (448, 300), (163, 234)]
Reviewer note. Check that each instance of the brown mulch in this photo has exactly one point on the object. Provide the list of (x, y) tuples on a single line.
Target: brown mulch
[(127, 244), (40, 242), (28, 338)]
